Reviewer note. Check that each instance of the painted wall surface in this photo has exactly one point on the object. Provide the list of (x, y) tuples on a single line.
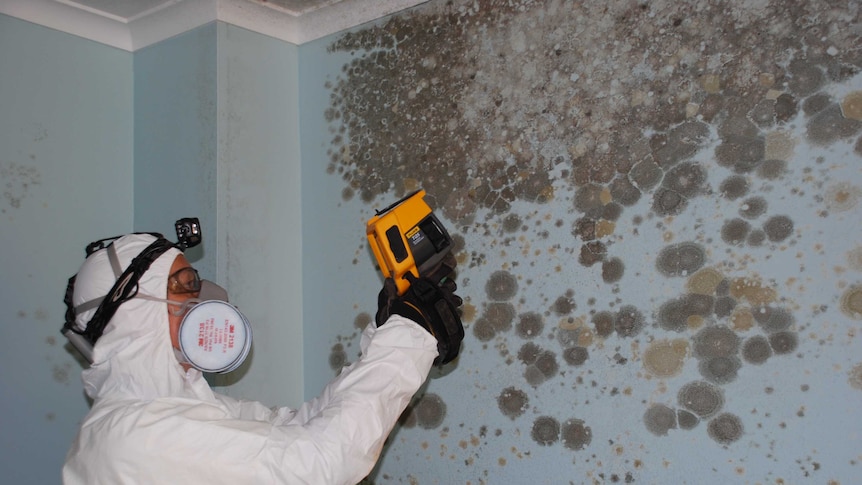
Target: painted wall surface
[(66, 179), (175, 139), (259, 216), (216, 136), (656, 212)]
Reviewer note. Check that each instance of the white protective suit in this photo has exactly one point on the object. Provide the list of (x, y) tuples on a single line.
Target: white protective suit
[(152, 422)]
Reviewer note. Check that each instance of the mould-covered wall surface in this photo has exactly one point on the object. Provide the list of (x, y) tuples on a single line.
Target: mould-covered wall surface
[(656, 213)]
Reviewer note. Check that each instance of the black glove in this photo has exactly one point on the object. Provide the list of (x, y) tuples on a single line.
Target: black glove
[(433, 305)]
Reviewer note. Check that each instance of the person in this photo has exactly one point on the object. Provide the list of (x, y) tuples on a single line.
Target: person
[(154, 418)]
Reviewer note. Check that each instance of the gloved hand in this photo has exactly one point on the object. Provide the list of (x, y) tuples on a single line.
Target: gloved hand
[(432, 303)]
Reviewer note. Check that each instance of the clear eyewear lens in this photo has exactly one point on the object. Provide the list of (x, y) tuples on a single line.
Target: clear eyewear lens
[(185, 280)]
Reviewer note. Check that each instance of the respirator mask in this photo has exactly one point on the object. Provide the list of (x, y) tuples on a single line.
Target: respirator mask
[(213, 335)]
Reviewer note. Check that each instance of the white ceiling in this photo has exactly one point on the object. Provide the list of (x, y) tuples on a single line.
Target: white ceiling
[(132, 24)]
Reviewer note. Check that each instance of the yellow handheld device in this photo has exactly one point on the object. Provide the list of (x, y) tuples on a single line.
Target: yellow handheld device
[(407, 237)]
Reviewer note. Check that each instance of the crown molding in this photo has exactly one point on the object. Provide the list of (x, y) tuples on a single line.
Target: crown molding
[(173, 17)]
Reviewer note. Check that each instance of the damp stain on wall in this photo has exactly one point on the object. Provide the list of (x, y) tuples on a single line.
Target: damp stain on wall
[(654, 205), (17, 180)]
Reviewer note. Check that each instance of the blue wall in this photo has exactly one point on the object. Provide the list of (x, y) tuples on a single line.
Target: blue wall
[(66, 177), (175, 138)]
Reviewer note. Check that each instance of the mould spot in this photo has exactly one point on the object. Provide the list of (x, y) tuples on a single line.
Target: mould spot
[(337, 357), (783, 342), (778, 228), (855, 377), (430, 411), (665, 358), (629, 321), (851, 105), (362, 320), (682, 142), (756, 350), (530, 325), (851, 302), (772, 319), (546, 363), (854, 258), (623, 192), (666, 202), (576, 435), (499, 315), (830, 126), (734, 187), (753, 207), (576, 355), (501, 286), (741, 153), (724, 306), (512, 223), (842, 197), (484, 330), (565, 304), (725, 428), (715, 341), (701, 398), (756, 238), (528, 353), (752, 290), (805, 77), (612, 270), (734, 231), (686, 419), (719, 370), (704, 282), (686, 179), (588, 199), (771, 169), (585, 228), (546, 430), (645, 174), (512, 402), (659, 419), (592, 253), (681, 259), (603, 322)]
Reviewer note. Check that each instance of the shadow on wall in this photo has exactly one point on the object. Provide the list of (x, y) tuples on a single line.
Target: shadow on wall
[(665, 190)]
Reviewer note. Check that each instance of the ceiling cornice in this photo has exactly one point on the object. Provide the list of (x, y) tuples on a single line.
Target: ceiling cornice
[(133, 30)]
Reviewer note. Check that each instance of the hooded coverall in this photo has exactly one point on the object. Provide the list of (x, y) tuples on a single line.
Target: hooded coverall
[(153, 422)]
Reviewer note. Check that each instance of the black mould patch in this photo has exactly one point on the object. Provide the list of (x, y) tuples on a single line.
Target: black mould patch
[(501, 286), (575, 434), (430, 411), (681, 259), (546, 430), (701, 398), (716, 341), (337, 357), (576, 355), (756, 350), (778, 228), (725, 428), (603, 323), (512, 402), (530, 325), (659, 419), (629, 321)]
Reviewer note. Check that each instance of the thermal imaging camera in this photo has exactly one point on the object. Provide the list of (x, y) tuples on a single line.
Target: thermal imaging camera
[(407, 237)]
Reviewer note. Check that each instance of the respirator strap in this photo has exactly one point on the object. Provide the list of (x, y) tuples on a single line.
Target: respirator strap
[(124, 288)]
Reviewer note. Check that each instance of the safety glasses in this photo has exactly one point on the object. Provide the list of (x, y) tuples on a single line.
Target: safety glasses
[(183, 281)]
